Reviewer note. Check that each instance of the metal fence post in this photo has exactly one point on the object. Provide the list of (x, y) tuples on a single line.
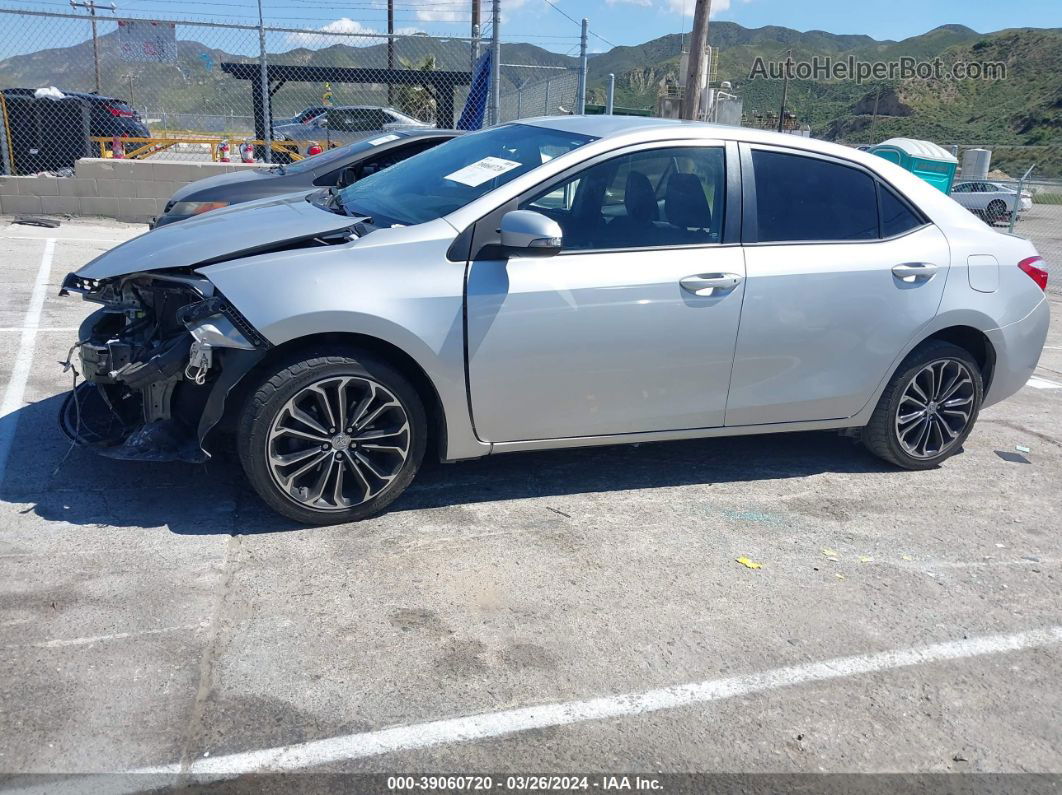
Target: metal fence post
[(267, 112), (610, 99), (580, 101), (545, 109), (495, 62), (1017, 198)]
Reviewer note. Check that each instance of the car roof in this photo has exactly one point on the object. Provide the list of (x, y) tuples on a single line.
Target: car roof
[(363, 107), (641, 127), (75, 94), (422, 132)]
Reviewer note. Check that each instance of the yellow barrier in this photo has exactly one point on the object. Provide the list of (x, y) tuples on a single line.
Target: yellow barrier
[(146, 147)]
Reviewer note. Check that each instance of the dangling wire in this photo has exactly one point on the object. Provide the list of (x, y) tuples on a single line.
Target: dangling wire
[(68, 365)]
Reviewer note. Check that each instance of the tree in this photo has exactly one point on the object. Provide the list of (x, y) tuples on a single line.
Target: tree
[(417, 100)]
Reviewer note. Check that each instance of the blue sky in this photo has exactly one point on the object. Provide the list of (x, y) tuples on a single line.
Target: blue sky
[(614, 21)]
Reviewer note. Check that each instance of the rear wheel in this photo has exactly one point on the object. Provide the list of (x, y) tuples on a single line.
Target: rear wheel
[(996, 210), (928, 408), (332, 438)]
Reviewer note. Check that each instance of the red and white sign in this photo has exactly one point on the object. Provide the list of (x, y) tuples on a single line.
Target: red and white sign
[(147, 42)]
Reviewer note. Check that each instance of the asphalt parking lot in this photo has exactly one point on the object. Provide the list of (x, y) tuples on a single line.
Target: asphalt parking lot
[(572, 611)]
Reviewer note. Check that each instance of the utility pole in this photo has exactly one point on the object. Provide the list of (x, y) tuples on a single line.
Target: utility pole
[(390, 47), (580, 101), (785, 89), (495, 62), (263, 76), (91, 6), (475, 31), (691, 103)]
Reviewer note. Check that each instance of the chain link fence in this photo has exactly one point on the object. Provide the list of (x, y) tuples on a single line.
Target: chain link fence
[(1030, 208), (174, 89)]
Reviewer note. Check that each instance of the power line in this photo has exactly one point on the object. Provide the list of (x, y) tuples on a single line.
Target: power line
[(564, 13)]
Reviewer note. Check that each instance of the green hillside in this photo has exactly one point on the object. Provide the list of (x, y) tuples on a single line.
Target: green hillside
[(1023, 110)]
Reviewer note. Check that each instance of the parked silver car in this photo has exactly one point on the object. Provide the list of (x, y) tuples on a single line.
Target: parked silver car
[(558, 282), (345, 124), (991, 200)]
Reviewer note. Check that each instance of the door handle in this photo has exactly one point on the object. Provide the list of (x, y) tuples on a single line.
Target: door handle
[(911, 272), (706, 284)]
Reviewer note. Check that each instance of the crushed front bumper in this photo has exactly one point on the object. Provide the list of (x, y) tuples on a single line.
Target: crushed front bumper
[(159, 361)]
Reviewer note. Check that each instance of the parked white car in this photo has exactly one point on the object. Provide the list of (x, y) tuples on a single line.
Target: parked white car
[(990, 199), (346, 124)]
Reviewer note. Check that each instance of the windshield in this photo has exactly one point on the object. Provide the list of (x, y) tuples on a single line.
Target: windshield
[(334, 156), (446, 178)]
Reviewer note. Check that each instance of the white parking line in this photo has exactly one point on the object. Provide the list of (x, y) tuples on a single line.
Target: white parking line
[(16, 385), (1042, 383), (20, 329), (497, 724), (88, 641), (114, 241)]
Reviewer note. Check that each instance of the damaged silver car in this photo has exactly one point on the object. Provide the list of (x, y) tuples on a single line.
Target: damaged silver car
[(559, 282)]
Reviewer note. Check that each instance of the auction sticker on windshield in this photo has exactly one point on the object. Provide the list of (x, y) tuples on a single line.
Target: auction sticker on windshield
[(479, 172), (383, 139)]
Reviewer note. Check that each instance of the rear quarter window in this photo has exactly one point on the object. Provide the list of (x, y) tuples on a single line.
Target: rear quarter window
[(896, 216)]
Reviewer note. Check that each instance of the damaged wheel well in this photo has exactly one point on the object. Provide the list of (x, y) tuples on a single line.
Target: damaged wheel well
[(352, 342)]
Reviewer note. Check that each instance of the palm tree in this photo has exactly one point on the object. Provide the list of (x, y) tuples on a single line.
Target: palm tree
[(417, 100)]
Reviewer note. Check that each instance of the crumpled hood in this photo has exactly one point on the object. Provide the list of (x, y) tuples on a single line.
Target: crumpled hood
[(249, 227)]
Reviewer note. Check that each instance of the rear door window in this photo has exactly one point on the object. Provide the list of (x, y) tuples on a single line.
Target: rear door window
[(806, 198)]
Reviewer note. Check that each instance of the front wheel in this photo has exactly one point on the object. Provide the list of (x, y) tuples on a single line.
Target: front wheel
[(928, 408), (329, 437)]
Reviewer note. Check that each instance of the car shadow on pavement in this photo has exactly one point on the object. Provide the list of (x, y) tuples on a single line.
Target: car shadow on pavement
[(644, 466), (76, 486)]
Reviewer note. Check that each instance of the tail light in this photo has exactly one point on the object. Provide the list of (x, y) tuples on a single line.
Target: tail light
[(121, 113), (1037, 274)]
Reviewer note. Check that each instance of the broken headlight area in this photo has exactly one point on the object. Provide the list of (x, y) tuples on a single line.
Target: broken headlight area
[(158, 360)]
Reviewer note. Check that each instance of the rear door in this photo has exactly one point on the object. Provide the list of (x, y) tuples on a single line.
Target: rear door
[(842, 272)]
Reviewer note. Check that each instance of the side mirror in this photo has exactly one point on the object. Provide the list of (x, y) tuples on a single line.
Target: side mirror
[(525, 233)]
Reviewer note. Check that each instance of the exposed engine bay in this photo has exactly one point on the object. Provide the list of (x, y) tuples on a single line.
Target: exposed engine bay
[(158, 360)]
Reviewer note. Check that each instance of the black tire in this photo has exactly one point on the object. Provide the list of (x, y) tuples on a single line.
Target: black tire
[(882, 434), (330, 368), (996, 211)]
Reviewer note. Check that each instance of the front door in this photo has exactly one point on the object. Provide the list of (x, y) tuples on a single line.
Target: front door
[(632, 327)]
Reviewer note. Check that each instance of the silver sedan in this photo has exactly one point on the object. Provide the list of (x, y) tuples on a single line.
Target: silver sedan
[(557, 282)]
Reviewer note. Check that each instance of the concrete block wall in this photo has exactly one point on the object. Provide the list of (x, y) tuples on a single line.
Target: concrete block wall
[(127, 190)]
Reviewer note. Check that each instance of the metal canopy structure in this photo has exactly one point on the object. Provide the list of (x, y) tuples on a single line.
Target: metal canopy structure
[(441, 84)]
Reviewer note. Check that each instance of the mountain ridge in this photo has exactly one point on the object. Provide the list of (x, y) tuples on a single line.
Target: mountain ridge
[(1024, 109)]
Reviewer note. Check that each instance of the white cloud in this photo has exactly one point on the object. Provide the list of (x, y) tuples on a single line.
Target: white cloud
[(444, 14), (429, 14), (341, 26), (684, 7)]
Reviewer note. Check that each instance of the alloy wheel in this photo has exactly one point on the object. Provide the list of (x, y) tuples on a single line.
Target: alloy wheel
[(935, 408), (338, 442)]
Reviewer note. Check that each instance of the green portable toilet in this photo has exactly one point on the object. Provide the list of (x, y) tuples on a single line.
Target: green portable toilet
[(935, 164)]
